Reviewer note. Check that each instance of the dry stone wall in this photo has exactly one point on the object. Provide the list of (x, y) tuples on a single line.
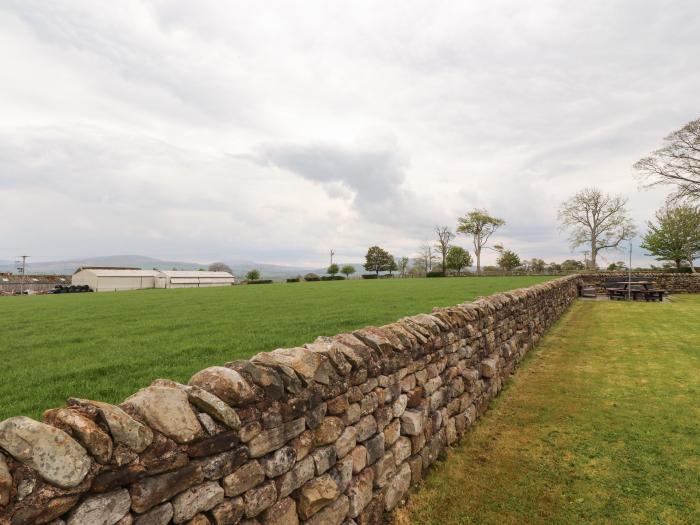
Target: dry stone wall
[(671, 282), (334, 432)]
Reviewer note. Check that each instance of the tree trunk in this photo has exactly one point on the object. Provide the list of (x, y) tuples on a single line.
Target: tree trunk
[(678, 264), (690, 260), (478, 261), (594, 256)]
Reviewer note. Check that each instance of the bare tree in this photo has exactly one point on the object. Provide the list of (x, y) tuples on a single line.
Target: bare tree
[(676, 163), (597, 220), (220, 267), (444, 237), (480, 225), (426, 256)]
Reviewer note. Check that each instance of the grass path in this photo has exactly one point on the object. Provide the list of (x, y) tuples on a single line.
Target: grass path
[(107, 345), (601, 424)]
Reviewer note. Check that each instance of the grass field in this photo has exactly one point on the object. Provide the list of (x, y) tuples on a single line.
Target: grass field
[(601, 424), (107, 345)]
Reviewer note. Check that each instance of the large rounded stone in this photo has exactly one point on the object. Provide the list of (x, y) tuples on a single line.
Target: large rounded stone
[(225, 383), (168, 411), (56, 457), (104, 509)]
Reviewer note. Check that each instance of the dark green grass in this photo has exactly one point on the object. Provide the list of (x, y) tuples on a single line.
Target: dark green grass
[(600, 425), (107, 345)]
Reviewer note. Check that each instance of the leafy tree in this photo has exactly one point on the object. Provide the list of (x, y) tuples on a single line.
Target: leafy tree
[(220, 267), (377, 260), (348, 269), (676, 163), (480, 225), (676, 236), (508, 260), (402, 265), (597, 220), (554, 267), (444, 237), (616, 266), (571, 264), (458, 258), (252, 275), (537, 265), (392, 266), (332, 270)]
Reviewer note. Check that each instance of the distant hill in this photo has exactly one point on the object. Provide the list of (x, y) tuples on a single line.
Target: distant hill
[(67, 267)]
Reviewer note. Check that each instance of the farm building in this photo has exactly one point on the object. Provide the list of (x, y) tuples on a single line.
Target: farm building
[(115, 279), (193, 279)]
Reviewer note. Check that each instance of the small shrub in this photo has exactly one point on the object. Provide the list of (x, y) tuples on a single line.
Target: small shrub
[(261, 281), (369, 275), (309, 277), (332, 278), (435, 274), (294, 280)]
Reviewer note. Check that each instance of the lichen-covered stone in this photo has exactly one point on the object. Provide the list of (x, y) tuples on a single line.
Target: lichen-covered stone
[(229, 512), (324, 458), (160, 515), (225, 383), (397, 487), (56, 456), (346, 442), (149, 492), (244, 478), (274, 438), (412, 422), (5, 482), (360, 492), (329, 430), (97, 442), (279, 461), (260, 498), (316, 494), (284, 512), (302, 472), (123, 428), (333, 514), (212, 405), (194, 500), (103, 509), (168, 411)]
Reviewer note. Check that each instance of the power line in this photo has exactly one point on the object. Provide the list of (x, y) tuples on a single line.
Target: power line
[(22, 269)]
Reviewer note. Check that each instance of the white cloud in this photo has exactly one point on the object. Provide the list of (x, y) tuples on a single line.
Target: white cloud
[(274, 132)]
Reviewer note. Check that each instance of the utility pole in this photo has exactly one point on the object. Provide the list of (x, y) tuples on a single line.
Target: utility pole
[(332, 254), (585, 259), (22, 270)]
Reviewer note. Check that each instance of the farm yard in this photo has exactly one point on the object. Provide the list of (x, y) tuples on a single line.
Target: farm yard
[(106, 346), (601, 424)]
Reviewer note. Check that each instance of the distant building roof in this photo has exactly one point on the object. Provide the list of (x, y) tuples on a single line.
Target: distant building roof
[(180, 274), (120, 272), (105, 268)]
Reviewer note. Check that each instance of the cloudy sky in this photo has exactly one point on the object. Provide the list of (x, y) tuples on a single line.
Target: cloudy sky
[(275, 131)]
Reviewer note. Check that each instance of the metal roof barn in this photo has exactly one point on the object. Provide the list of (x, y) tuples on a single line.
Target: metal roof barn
[(193, 279), (115, 279)]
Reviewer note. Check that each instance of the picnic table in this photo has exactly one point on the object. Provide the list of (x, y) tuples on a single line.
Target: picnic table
[(635, 289)]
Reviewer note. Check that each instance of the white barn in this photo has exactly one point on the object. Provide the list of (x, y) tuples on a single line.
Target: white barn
[(115, 279), (193, 279)]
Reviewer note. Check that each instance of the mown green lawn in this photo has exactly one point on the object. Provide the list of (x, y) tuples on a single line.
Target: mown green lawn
[(601, 424), (107, 345)]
